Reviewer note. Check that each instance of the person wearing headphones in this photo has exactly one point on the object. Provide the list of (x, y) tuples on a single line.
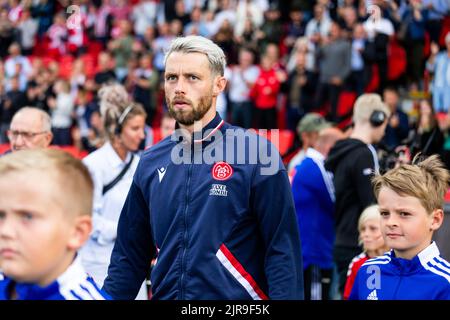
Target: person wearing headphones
[(354, 161), (112, 168)]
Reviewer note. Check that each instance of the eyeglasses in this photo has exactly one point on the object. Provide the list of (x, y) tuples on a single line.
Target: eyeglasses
[(14, 134)]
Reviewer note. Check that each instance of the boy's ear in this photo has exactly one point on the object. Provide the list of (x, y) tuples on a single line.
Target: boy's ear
[(80, 232), (219, 85), (437, 217)]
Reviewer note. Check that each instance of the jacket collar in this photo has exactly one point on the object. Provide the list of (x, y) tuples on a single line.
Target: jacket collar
[(314, 154), (204, 135), (29, 291), (113, 158), (418, 262)]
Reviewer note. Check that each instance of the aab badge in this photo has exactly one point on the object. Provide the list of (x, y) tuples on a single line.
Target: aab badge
[(222, 171)]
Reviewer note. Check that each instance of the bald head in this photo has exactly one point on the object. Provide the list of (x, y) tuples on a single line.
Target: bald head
[(30, 129), (327, 138)]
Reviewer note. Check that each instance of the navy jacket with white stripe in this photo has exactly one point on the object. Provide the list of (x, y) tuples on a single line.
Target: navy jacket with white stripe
[(235, 238), (73, 284), (425, 277)]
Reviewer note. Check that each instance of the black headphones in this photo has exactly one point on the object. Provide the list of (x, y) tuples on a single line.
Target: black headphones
[(121, 119), (377, 118)]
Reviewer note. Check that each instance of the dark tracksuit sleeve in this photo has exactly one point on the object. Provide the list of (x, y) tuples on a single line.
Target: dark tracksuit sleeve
[(133, 249), (274, 206), (362, 180)]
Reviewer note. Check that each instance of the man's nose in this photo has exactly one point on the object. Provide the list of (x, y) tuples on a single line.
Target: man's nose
[(180, 86)]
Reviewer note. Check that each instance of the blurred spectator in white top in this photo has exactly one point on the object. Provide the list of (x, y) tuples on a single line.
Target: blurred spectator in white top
[(61, 112), (15, 57), (247, 9), (143, 15), (439, 65), (28, 28)]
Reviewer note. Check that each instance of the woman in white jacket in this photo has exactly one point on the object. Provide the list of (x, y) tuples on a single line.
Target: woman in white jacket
[(112, 168)]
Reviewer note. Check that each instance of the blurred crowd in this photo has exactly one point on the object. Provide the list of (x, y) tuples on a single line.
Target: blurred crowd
[(285, 59)]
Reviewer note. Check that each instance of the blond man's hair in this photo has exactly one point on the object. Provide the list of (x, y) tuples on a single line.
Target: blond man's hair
[(67, 174), (426, 180), (366, 104)]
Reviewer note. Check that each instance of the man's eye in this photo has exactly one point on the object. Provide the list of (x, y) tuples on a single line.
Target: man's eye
[(404, 214), (27, 216), (170, 78), (193, 77), (384, 213)]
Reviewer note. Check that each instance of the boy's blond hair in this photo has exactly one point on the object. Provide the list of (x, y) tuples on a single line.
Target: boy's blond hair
[(425, 180), (366, 104), (67, 174), (370, 213)]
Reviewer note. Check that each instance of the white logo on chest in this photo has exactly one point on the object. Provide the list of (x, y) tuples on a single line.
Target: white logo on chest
[(218, 190)]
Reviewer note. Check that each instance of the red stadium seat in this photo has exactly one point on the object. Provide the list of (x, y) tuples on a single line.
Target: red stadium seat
[(156, 135), (372, 86), (396, 60), (89, 62), (282, 142), (345, 103), (65, 66), (445, 29), (4, 147)]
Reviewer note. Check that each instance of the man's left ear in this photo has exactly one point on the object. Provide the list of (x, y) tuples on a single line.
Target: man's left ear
[(81, 231), (436, 219), (219, 85)]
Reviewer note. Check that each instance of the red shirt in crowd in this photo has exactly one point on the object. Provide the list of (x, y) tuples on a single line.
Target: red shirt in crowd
[(264, 92)]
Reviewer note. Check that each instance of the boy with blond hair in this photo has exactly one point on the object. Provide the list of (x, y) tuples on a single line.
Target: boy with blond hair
[(411, 199), (45, 217)]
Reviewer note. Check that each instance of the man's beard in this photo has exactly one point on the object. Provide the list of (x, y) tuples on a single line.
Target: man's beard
[(188, 117)]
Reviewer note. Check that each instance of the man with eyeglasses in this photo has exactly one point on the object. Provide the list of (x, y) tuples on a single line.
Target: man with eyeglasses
[(30, 129)]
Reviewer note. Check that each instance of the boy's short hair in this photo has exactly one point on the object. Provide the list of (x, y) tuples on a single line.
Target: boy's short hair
[(366, 104), (370, 213), (68, 175), (425, 180)]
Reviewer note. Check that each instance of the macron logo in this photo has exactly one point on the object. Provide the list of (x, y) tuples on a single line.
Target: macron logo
[(372, 295), (161, 173)]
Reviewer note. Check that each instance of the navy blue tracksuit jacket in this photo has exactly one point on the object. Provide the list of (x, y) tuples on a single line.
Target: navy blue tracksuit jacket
[(224, 230)]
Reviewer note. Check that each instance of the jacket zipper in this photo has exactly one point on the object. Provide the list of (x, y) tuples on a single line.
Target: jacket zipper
[(394, 297), (185, 234)]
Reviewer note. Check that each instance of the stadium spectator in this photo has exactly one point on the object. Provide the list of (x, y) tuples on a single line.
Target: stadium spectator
[(30, 129), (313, 192), (112, 168), (308, 129), (397, 129), (353, 161), (334, 61), (439, 65), (372, 241), (61, 108), (427, 138), (242, 78)]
